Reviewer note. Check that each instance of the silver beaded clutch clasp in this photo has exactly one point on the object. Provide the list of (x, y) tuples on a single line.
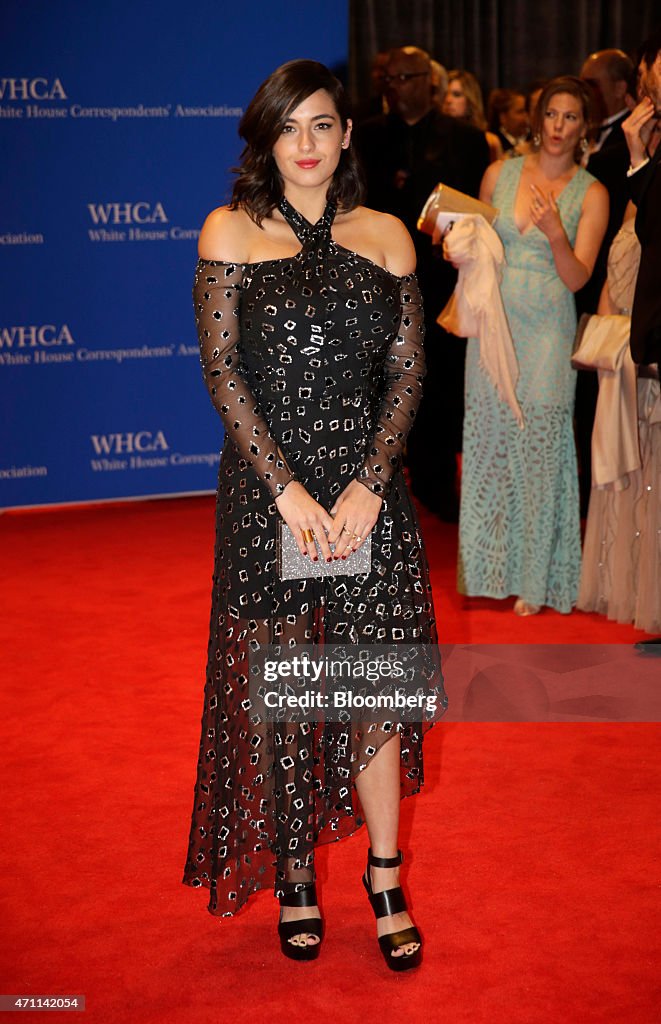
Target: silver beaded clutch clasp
[(292, 565)]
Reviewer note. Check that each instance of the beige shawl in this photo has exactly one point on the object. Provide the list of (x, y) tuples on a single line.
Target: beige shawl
[(476, 308)]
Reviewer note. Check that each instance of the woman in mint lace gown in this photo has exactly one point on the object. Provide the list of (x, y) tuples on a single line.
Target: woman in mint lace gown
[(519, 521)]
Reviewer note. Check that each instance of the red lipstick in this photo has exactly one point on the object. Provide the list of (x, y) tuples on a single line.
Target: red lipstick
[(307, 164)]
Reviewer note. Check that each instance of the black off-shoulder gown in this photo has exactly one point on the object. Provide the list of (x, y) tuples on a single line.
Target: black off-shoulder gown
[(318, 357)]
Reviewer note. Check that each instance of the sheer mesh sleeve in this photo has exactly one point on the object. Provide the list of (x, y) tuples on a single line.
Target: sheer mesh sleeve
[(216, 298), (404, 372)]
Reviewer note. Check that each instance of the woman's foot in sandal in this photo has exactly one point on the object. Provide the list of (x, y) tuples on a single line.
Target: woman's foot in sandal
[(524, 608), (300, 926), (399, 939)]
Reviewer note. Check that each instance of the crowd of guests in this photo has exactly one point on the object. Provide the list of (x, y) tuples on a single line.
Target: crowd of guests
[(557, 161)]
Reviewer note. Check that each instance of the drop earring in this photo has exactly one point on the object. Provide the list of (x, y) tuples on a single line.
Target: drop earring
[(537, 140), (584, 145)]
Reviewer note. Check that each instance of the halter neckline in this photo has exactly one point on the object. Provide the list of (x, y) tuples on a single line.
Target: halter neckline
[(301, 226)]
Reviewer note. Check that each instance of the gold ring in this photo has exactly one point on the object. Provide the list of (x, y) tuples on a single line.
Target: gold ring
[(308, 536)]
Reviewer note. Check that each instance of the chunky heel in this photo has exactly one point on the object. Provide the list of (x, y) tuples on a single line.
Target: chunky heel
[(306, 897), (392, 901)]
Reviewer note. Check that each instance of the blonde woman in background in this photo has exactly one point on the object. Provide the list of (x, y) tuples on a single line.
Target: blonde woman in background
[(463, 99)]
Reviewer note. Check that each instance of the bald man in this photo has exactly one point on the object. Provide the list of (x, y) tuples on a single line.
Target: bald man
[(406, 153)]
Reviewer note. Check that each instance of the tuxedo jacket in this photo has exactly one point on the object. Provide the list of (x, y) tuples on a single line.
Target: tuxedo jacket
[(645, 190), (504, 141), (609, 166)]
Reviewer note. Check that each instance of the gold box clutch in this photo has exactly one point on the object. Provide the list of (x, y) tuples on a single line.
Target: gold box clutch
[(292, 565), (444, 202)]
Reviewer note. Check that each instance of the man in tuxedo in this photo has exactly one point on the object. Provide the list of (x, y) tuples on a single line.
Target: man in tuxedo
[(611, 75), (644, 177), (642, 129), (405, 153)]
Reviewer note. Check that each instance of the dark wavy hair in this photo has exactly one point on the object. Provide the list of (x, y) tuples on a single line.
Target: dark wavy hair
[(258, 186), (577, 88)]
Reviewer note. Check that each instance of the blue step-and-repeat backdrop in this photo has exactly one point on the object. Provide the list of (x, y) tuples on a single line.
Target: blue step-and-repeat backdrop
[(118, 128)]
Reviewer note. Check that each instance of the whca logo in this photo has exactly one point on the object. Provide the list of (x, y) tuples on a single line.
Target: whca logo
[(129, 443), (127, 213), (35, 336), (32, 89)]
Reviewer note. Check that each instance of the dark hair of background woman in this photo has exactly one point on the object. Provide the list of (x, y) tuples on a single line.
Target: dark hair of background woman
[(651, 47), (258, 186), (576, 88), (500, 101)]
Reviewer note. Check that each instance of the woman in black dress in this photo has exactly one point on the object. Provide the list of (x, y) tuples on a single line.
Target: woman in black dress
[(311, 329)]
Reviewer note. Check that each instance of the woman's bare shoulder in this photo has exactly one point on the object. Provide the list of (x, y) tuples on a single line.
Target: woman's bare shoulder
[(495, 147), (224, 235), (489, 180), (597, 191), (596, 201), (391, 237)]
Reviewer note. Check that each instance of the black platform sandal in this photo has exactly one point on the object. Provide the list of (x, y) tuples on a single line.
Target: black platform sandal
[(392, 901), (306, 897)]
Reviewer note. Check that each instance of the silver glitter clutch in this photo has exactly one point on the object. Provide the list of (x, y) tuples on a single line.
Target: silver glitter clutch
[(292, 565)]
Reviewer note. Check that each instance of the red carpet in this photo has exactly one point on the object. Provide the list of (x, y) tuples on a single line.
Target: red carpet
[(534, 849)]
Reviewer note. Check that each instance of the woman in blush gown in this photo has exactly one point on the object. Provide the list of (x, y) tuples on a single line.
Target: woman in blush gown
[(310, 327), (621, 575), (519, 528)]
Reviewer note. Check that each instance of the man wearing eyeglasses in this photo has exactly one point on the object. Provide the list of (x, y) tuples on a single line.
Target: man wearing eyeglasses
[(405, 154)]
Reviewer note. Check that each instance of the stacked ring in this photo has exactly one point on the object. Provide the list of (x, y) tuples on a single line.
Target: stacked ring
[(308, 536)]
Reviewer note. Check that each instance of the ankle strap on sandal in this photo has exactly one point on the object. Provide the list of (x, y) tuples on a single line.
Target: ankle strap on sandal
[(384, 862), (306, 897)]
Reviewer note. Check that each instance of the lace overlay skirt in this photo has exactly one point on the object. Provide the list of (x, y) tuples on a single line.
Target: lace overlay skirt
[(621, 575)]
